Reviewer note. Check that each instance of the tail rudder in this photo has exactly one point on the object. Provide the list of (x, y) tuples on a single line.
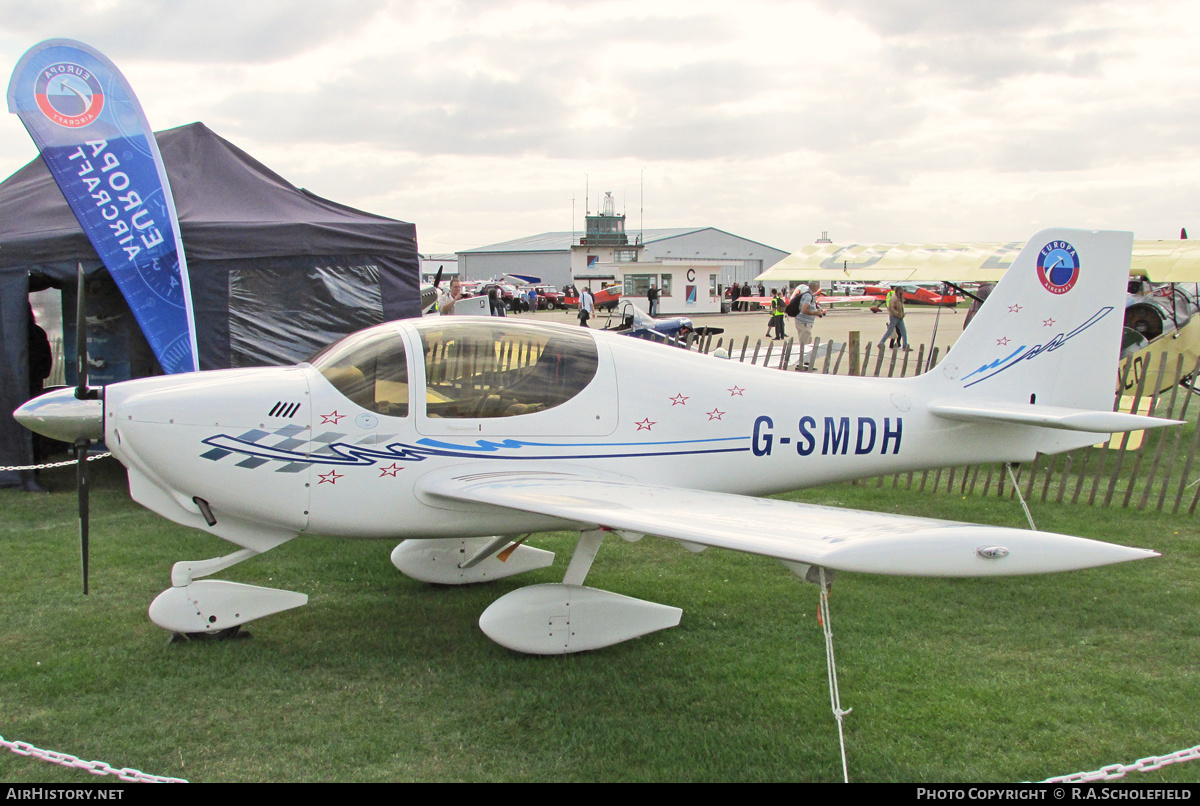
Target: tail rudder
[(1050, 331)]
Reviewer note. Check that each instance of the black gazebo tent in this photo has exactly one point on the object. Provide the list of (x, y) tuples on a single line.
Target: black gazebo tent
[(276, 272)]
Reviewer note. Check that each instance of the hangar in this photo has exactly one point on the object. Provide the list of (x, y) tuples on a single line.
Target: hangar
[(560, 258)]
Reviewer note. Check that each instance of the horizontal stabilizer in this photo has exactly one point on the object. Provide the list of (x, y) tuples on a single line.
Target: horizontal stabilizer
[(842, 539), (1068, 419)]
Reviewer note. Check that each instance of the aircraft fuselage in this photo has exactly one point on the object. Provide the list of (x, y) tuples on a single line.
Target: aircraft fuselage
[(285, 448)]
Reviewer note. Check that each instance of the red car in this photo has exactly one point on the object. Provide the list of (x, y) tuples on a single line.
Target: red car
[(549, 298)]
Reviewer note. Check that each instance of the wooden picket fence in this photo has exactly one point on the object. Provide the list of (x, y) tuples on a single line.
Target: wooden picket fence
[(1137, 469)]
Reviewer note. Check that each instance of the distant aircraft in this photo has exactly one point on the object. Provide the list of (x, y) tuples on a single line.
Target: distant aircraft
[(633, 321), (460, 436)]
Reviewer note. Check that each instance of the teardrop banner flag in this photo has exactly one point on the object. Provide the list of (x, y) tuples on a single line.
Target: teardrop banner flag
[(92, 134)]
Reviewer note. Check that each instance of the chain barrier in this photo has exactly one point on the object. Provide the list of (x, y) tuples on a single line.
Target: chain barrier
[(1113, 771), (49, 465), (94, 767)]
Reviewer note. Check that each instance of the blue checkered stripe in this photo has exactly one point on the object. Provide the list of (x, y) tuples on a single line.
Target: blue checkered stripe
[(288, 438)]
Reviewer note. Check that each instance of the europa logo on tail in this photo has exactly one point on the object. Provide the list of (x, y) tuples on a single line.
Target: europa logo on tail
[(1058, 267)]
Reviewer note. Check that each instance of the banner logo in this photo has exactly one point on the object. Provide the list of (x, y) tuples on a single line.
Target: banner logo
[(1058, 267), (68, 95)]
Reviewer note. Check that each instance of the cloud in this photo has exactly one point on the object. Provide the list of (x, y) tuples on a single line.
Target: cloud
[(188, 30)]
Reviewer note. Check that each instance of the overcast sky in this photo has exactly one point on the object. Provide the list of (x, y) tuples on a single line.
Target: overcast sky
[(487, 120)]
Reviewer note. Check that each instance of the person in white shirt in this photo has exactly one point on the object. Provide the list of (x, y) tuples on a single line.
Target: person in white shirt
[(446, 299), (586, 306)]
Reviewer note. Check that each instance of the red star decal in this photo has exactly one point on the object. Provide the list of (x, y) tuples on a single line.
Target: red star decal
[(390, 471), (1047, 323), (332, 418), (736, 391), (331, 477), (715, 414), (1002, 341), (645, 424), (679, 400), (1014, 308)]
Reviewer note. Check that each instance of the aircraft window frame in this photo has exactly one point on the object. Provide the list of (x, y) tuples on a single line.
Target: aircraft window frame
[(370, 368), (486, 370)]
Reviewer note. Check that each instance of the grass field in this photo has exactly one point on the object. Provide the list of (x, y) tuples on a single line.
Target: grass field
[(381, 678)]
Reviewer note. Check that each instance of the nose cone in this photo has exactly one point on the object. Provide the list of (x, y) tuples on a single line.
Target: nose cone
[(62, 416)]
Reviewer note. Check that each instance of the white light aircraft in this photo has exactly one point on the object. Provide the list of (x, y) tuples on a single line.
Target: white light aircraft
[(458, 435)]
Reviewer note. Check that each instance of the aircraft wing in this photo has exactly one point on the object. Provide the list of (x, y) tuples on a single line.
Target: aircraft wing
[(936, 262), (1167, 261), (841, 539), (1158, 261)]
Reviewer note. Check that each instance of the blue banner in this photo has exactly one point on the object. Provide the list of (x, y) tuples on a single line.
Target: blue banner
[(91, 132)]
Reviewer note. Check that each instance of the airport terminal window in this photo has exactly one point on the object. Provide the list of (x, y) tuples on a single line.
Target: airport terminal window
[(370, 369), (636, 285), (479, 369)]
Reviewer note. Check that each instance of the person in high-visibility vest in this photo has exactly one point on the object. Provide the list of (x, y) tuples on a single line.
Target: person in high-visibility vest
[(778, 309)]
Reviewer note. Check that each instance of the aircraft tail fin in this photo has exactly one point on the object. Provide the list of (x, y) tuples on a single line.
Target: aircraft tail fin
[(1049, 333)]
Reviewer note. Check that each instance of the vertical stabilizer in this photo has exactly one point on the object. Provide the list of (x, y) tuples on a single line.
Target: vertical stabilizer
[(1050, 331)]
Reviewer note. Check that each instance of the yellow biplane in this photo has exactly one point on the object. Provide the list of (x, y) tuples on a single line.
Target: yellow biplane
[(1161, 307)]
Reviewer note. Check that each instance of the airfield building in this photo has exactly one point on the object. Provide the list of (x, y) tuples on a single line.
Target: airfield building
[(606, 253)]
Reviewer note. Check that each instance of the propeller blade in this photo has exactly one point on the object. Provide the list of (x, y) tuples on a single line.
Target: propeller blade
[(81, 445), (81, 390), (437, 281), (81, 485)]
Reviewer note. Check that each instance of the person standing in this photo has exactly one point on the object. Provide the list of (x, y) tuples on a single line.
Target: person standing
[(446, 299), (980, 295), (778, 309), (586, 306), (807, 311), (652, 299), (895, 308), (495, 305)]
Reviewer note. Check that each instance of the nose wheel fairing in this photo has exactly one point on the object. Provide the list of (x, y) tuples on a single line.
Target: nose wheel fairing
[(212, 605)]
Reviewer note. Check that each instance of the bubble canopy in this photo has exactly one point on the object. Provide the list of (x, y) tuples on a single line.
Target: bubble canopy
[(474, 368)]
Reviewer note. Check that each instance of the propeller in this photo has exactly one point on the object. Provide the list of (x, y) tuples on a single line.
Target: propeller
[(82, 443)]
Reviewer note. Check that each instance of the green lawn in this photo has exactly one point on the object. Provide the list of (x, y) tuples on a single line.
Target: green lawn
[(381, 678)]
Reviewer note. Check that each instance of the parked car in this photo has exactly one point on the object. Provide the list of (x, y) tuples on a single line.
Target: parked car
[(549, 298)]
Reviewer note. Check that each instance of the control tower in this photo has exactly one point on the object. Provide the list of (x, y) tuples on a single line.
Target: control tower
[(605, 228)]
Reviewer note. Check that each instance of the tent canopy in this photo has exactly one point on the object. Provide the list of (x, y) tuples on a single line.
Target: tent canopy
[(230, 206), (276, 272)]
